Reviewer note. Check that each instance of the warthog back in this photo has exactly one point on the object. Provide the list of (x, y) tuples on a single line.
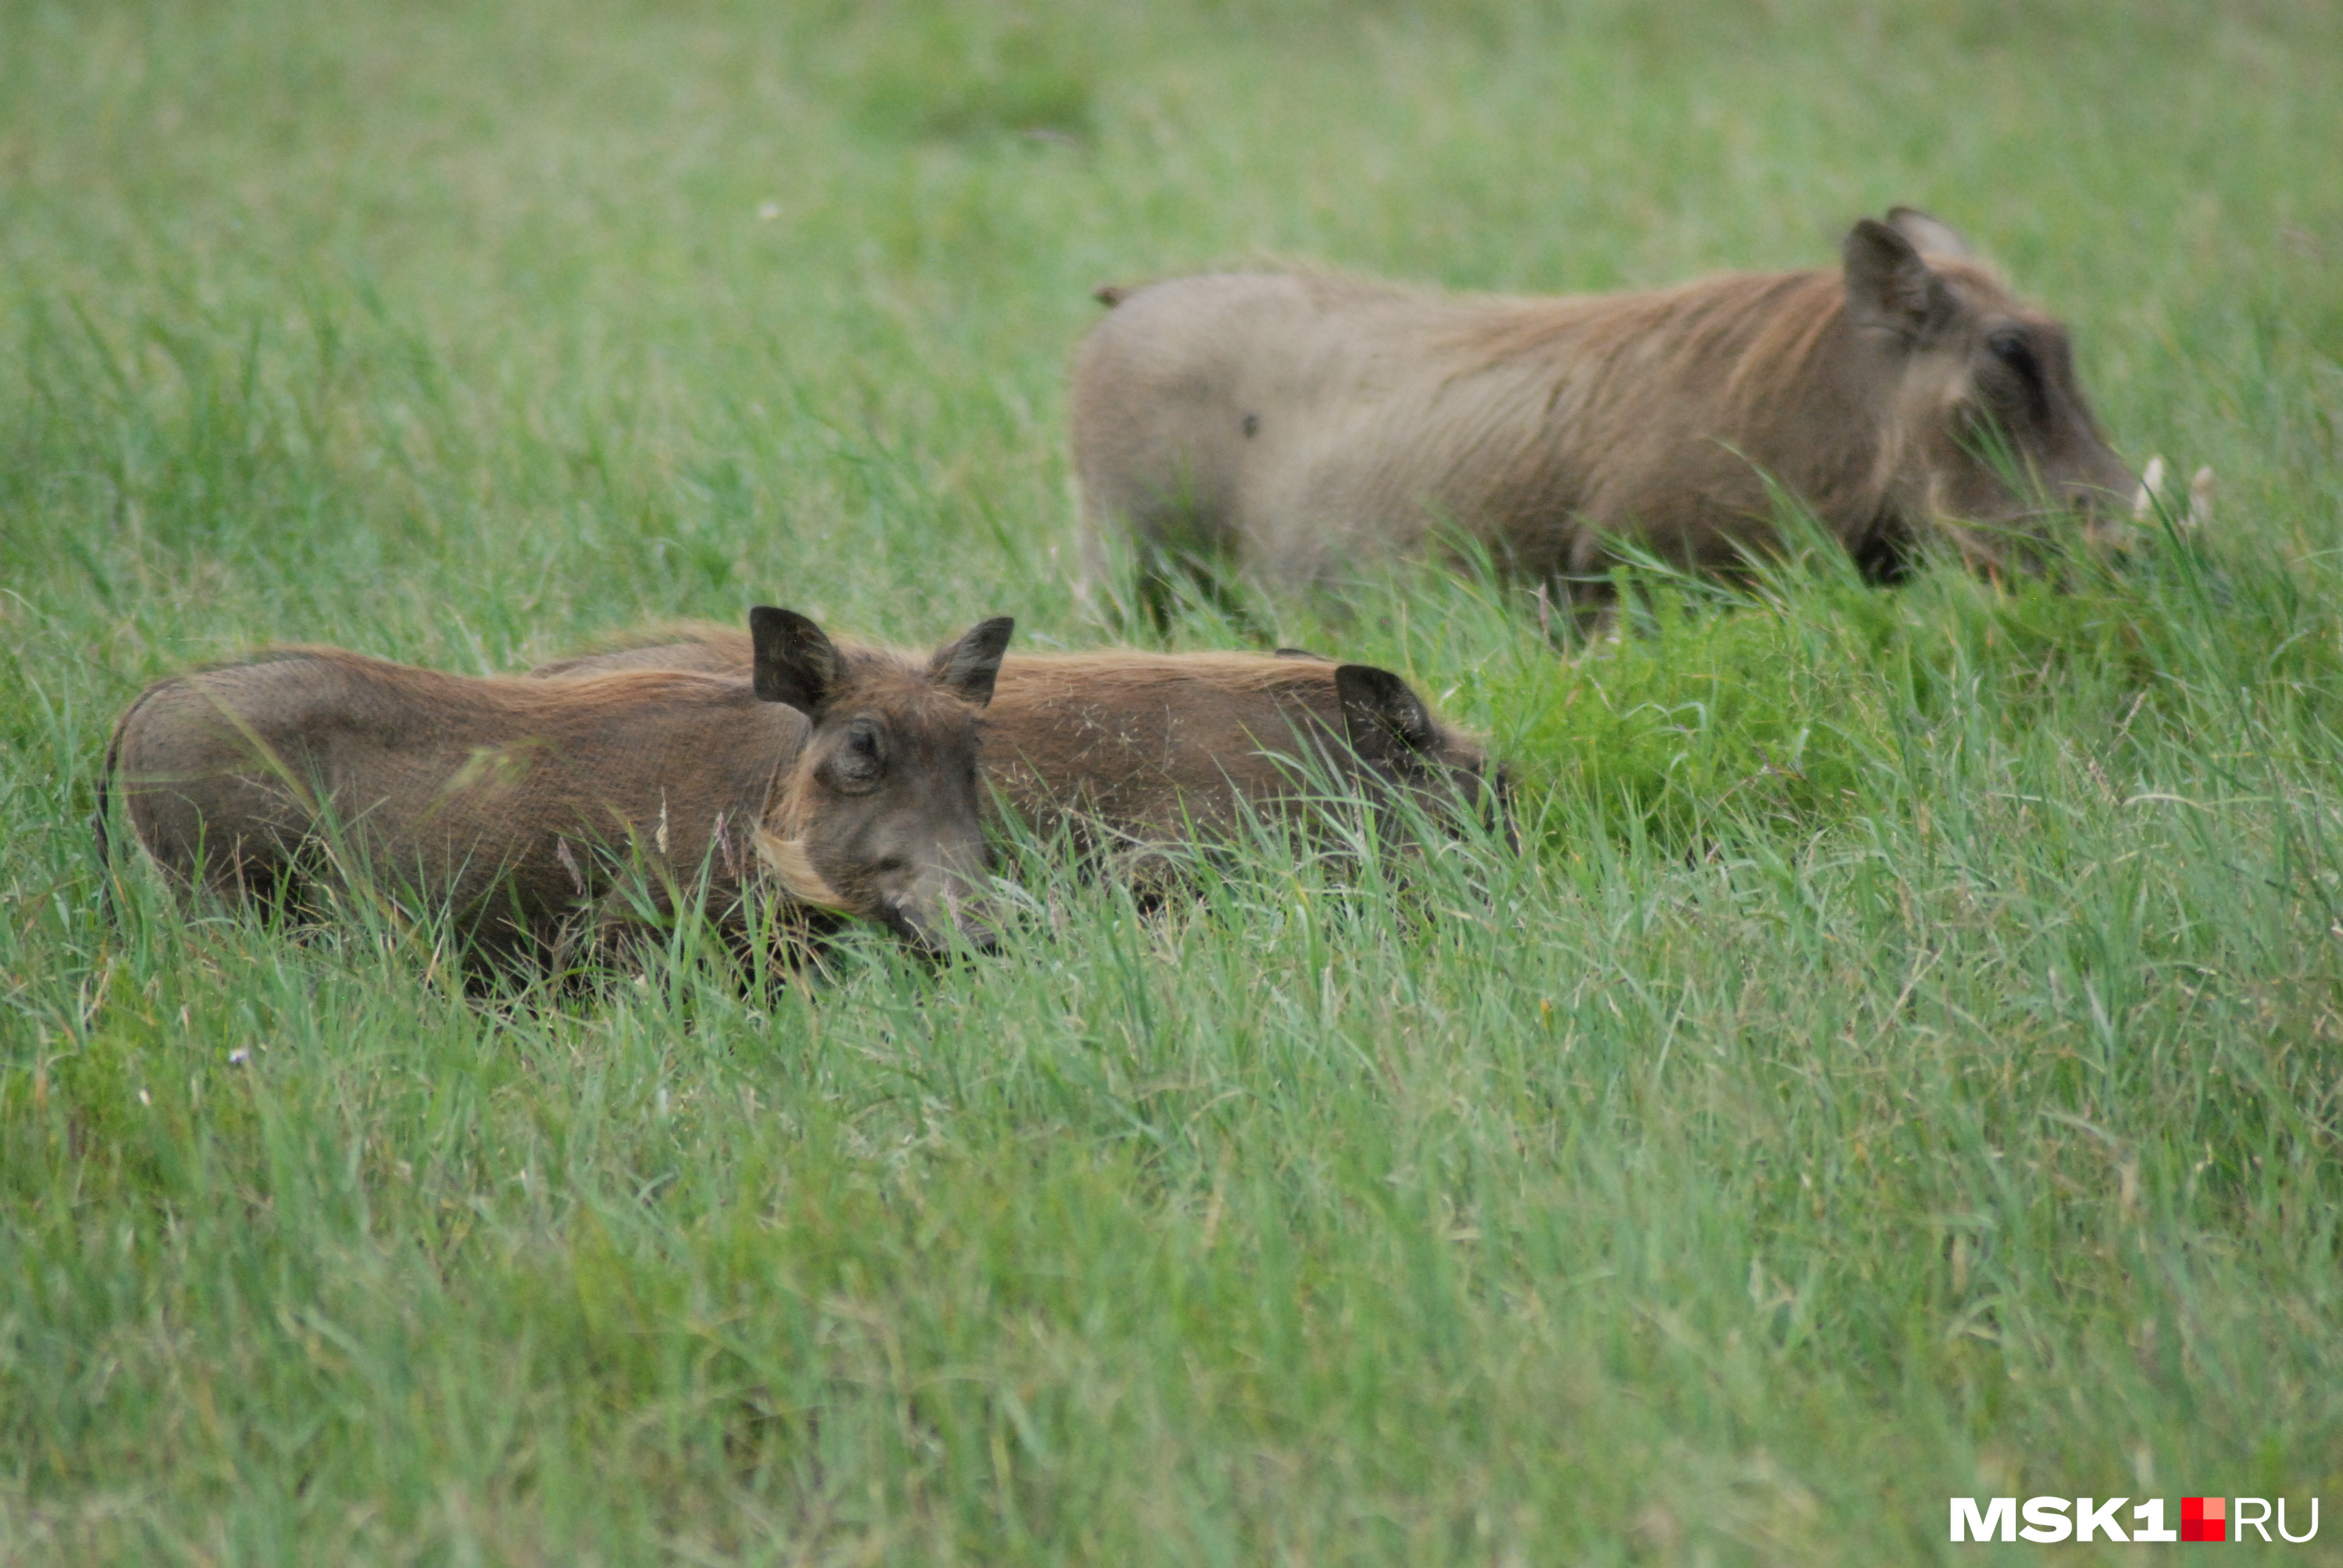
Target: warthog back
[(1126, 749), (529, 807), (513, 805)]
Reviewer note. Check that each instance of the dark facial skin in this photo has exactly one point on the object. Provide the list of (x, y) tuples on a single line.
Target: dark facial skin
[(1391, 730), (891, 817), (2024, 408), (2007, 442), (881, 815)]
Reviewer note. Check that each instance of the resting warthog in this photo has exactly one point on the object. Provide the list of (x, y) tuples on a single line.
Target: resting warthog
[(1125, 750), (521, 805), (1299, 422)]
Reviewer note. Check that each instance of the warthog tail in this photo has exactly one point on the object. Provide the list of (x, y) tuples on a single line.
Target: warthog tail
[(1110, 294)]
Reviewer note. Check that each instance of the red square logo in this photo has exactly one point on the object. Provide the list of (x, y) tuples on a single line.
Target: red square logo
[(2204, 1519)]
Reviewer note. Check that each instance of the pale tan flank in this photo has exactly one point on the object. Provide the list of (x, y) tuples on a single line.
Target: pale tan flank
[(1297, 423)]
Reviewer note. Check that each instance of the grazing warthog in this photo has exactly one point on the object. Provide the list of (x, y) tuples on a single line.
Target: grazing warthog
[(1127, 750), (1299, 423), (521, 806)]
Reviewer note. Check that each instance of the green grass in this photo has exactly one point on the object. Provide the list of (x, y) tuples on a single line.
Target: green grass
[(1905, 1063)]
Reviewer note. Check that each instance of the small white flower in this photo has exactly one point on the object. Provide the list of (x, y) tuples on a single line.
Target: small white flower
[(2200, 497), (2151, 486)]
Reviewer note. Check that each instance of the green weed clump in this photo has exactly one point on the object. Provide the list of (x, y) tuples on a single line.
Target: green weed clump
[(1789, 705), (1902, 1062), (962, 72)]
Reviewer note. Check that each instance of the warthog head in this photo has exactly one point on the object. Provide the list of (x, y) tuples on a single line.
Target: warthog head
[(879, 815), (1404, 744), (1989, 438)]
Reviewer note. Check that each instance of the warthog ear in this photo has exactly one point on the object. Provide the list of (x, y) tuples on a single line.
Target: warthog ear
[(1298, 653), (796, 663), (1888, 283), (1929, 235), (1382, 714), (968, 665)]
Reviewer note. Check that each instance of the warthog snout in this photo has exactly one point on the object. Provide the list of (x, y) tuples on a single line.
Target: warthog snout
[(2098, 496), (934, 892), (2109, 526), (941, 911)]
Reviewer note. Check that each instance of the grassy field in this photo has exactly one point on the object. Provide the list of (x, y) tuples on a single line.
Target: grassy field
[(1906, 1060)]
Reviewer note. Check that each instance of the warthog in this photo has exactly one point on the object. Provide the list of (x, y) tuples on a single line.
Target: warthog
[(1128, 751), (522, 806), (1298, 423)]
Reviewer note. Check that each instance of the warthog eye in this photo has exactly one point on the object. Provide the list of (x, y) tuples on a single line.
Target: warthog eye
[(860, 758), (2029, 394), (2009, 346)]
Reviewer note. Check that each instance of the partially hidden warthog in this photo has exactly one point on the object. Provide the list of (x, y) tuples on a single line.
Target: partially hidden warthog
[(524, 807), (1129, 751), (1298, 423)]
